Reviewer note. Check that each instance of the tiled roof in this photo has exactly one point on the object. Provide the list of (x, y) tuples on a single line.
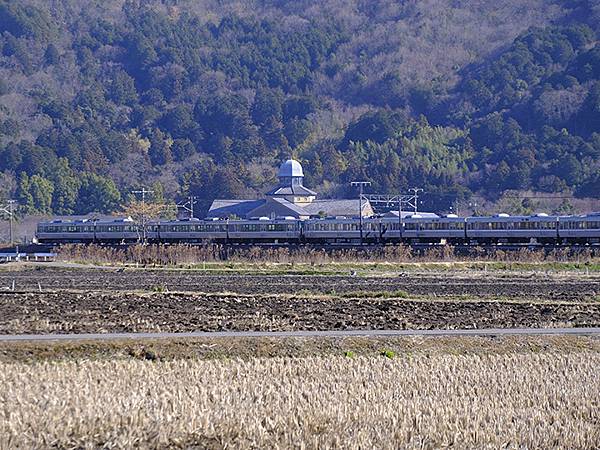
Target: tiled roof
[(239, 208), (254, 208), (292, 190), (331, 208), (410, 213), (275, 207)]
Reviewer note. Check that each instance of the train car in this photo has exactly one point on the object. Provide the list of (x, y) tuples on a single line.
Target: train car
[(392, 226), (505, 229), (342, 230), (436, 230), (151, 232), (65, 231), (583, 229), (414, 229), (121, 230), (265, 230), (193, 231)]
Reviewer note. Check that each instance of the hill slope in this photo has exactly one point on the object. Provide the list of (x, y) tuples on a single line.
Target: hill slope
[(460, 97)]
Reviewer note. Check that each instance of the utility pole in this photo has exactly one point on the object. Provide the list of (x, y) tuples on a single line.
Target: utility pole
[(9, 210), (361, 185), (415, 192), (143, 191)]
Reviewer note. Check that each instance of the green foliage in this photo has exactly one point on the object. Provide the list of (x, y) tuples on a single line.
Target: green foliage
[(388, 354), (97, 194), (159, 288), (66, 188), (24, 20), (35, 194), (533, 57)]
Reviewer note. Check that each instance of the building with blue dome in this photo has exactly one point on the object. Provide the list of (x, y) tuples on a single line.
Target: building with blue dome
[(290, 198), (291, 185)]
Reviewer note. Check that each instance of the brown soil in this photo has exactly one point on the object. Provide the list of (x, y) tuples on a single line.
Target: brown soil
[(420, 284), (91, 300), (92, 312)]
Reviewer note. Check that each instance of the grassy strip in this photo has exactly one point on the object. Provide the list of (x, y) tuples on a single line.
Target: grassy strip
[(366, 268), (248, 348)]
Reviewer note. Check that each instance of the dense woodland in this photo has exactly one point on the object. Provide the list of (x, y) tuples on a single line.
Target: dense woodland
[(462, 98)]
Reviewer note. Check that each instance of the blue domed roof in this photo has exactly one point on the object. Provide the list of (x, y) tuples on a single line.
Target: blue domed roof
[(291, 168)]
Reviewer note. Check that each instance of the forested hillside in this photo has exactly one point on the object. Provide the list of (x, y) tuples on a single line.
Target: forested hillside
[(460, 97)]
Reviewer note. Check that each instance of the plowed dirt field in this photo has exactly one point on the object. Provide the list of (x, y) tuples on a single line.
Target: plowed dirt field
[(92, 300)]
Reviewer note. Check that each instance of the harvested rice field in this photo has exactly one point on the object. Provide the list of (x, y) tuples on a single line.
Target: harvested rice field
[(432, 399)]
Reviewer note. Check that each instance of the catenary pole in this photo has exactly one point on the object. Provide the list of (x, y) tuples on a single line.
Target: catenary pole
[(416, 191), (11, 213), (9, 210), (361, 185)]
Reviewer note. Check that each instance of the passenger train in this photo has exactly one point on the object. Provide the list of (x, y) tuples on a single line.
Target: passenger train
[(540, 229)]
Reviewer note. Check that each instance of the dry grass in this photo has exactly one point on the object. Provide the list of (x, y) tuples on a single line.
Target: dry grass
[(182, 254), (521, 400)]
